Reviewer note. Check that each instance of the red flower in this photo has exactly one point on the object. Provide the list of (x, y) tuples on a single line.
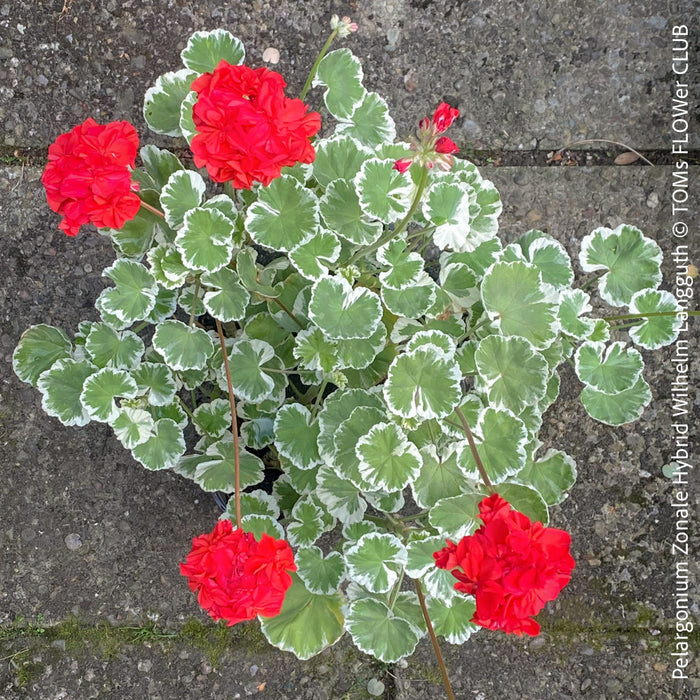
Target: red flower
[(88, 178), (511, 565), (445, 145), (247, 129), (236, 576), (403, 164), (444, 116)]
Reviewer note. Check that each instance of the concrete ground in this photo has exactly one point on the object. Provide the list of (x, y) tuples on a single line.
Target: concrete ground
[(91, 601)]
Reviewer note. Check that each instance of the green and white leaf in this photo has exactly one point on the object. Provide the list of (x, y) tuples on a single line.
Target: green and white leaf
[(423, 384), (342, 312), (457, 516), (574, 303), (387, 461), (546, 254), (484, 221), (376, 630), (525, 499), (358, 425), (447, 207), (617, 409), (38, 349), (108, 347), (511, 371), (260, 525), (163, 449), (419, 555), (342, 213), (296, 436), (336, 410), (306, 525), (315, 351), (248, 375), (453, 621), (134, 294), (183, 192), (459, 282), (610, 369), (186, 123), (309, 257), (161, 106), (340, 72), (413, 301), (226, 298), (256, 502), (156, 381), (167, 267), (165, 306), (215, 470), (551, 476), (102, 388), (500, 439), (440, 477), (403, 267), (384, 192), (516, 300), (338, 158), (655, 331), (375, 561), (132, 426), (183, 347), (159, 164), (284, 216), (371, 123), (321, 575), (61, 386), (204, 50), (307, 624), (213, 418), (632, 262), (205, 240), (340, 496), (360, 352)]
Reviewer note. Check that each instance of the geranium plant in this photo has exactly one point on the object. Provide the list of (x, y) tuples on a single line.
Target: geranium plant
[(340, 312)]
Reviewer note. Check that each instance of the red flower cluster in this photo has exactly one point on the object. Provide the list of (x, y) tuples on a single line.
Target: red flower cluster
[(247, 129), (236, 576), (431, 148), (511, 565), (88, 177)]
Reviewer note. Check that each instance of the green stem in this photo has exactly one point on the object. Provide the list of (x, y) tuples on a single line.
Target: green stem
[(319, 398), (319, 58), (396, 590), (624, 317), (398, 230), (234, 427), (195, 297), (472, 447), (433, 639), (593, 280), (285, 309)]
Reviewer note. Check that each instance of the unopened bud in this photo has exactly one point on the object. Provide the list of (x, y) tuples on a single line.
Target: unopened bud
[(344, 26)]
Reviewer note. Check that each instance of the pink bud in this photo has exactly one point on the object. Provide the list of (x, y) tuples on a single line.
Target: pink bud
[(444, 116), (424, 123), (445, 145), (403, 164)]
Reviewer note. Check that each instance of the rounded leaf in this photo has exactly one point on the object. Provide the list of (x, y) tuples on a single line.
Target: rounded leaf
[(38, 349), (204, 50), (183, 347)]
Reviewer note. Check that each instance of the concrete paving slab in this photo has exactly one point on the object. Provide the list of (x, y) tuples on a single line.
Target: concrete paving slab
[(524, 75), (87, 532)]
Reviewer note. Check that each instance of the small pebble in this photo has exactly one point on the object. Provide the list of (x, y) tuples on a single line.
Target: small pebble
[(271, 55), (73, 541)]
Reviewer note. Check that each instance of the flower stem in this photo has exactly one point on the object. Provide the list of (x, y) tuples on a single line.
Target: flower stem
[(319, 58), (234, 427), (624, 317), (433, 639), (153, 210), (319, 398), (399, 229), (472, 447)]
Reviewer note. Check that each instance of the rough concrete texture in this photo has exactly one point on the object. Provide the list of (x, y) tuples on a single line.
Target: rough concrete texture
[(90, 540), (86, 531), (525, 75)]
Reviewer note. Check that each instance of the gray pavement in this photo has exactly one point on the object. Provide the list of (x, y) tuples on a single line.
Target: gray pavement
[(91, 601)]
